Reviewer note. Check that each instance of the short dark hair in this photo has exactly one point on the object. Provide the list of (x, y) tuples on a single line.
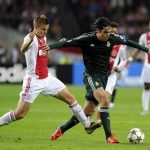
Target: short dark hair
[(42, 19), (114, 24), (102, 22)]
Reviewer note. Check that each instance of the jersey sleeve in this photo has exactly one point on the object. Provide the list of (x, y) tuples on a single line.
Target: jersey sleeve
[(26, 39), (120, 39), (75, 42)]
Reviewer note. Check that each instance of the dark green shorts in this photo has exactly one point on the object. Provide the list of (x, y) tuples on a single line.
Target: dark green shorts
[(92, 82)]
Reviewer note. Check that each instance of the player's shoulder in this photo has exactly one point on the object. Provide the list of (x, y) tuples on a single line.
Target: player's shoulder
[(122, 36), (87, 35), (143, 35), (114, 36), (26, 36)]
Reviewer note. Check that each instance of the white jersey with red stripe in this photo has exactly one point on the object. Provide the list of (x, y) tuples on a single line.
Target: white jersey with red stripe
[(118, 59), (145, 41), (37, 79), (36, 58)]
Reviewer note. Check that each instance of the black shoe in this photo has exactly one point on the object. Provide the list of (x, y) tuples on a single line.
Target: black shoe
[(93, 127)]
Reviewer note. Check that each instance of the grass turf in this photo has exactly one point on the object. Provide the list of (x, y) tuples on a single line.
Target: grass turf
[(32, 133)]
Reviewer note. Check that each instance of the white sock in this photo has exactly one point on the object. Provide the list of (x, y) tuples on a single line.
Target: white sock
[(80, 115), (90, 118), (145, 100), (7, 118)]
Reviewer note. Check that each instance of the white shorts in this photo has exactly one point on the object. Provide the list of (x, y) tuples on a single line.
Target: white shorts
[(32, 87), (111, 83), (145, 76)]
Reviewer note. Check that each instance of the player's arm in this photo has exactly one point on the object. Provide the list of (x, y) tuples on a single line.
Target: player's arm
[(27, 42), (75, 42), (119, 39), (136, 52)]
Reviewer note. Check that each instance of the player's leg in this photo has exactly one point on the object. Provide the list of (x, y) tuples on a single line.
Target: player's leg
[(17, 114), (98, 113), (95, 85), (27, 96), (102, 98), (57, 89), (145, 98), (89, 108), (146, 93), (67, 97), (110, 88), (112, 99)]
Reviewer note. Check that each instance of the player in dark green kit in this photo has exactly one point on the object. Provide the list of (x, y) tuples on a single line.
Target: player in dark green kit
[(96, 48)]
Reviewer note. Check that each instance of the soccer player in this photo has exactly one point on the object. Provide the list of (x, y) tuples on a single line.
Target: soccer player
[(117, 61), (145, 41), (37, 79), (96, 49)]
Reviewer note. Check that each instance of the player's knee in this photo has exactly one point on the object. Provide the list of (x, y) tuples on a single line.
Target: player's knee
[(105, 102), (89, 112)]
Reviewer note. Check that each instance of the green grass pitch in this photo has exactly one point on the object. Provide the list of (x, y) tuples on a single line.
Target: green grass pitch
[(32, 133)]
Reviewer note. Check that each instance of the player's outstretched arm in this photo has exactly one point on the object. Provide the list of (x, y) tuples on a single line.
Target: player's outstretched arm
[(75, 42), (59, 44), (121, 39), (137, 45)]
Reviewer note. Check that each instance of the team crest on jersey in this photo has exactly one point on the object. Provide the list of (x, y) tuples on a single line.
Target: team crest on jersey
[(96, 83), (92, 45), (108, 44), (42, 53)]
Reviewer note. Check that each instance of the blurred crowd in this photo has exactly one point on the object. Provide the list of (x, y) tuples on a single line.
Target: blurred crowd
[(70, 18)]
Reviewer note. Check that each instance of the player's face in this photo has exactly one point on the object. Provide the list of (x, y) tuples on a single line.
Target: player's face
[(114, 30), (103, 34), (41, 30)]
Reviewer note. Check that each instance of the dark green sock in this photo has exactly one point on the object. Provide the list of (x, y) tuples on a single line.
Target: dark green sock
[(105, 121), (69, 124)]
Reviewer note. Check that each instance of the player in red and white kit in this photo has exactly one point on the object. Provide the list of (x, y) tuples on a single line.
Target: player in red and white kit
[(37, 80), (145, 41), (118, 61)]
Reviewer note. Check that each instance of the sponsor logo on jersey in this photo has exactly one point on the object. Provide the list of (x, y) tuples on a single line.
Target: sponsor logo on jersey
[(92, 45), (96, 83)]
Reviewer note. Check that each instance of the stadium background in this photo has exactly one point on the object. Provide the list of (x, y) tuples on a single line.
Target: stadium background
[(68, 18)]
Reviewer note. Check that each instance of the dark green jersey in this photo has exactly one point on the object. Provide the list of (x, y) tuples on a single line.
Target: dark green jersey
[(96, 53)]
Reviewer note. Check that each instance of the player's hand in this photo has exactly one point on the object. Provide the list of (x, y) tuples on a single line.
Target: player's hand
[(31, 35), (130, 59), (45, 47), (116, 69)]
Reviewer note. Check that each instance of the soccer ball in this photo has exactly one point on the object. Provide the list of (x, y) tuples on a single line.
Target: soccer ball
[(135, 136)]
